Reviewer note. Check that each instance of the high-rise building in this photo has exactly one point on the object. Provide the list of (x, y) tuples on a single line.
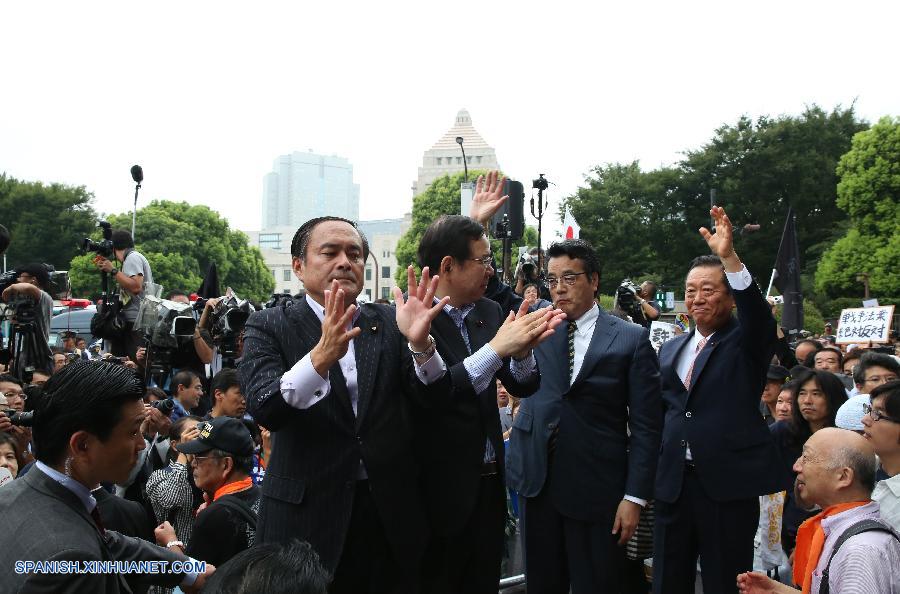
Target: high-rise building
[(303, 186), (445, 156)]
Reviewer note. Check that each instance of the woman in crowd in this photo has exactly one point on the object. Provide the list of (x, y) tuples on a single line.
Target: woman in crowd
[(881, 426), (10, 456), (817, 395)]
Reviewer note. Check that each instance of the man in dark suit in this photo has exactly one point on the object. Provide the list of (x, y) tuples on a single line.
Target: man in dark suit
[(717, 455), (462, 446), (583, 448), (86, 431), (333, 381)]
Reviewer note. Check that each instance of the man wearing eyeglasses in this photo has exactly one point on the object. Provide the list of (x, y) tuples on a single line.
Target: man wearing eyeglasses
[(717, 453), (13, 391), (463, 451), (583, 448), (873, 370), (221, 465)]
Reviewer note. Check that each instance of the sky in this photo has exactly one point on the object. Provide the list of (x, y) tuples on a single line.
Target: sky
[(205, 95)]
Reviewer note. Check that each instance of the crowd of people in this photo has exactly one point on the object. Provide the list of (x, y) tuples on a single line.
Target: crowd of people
[(395, 447)]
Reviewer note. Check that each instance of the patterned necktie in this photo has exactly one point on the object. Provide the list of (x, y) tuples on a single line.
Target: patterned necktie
[(570, 332), (690, 371), (95, 513), (458, 315)]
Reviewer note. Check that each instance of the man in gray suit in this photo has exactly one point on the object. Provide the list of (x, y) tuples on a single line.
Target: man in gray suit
[(583, 448), (86, 431)]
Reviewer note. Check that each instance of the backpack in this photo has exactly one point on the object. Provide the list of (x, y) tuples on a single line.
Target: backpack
[(858, 528)]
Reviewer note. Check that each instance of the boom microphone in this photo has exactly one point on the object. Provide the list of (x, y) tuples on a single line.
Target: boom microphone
[(137, 174)]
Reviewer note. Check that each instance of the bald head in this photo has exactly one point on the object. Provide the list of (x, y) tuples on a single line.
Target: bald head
[(840, 466)]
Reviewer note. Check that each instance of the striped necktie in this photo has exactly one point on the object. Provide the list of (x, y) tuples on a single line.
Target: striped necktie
[(570, 332)]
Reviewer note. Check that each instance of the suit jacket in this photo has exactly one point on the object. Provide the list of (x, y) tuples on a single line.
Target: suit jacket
[(596, 462), (454, 436), (719, 417), (44, 521), (311, 477)]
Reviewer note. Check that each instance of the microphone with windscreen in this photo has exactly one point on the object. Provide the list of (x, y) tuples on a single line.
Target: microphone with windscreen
[(137, 174)]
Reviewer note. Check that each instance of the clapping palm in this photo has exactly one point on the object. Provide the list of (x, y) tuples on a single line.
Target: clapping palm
[(418, 310), (488, 196)]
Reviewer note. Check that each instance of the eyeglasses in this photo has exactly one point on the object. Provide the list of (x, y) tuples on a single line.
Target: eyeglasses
[(485, 261), (877, 415), (569, 279), (705, 292), (19, 395), (880, 379), (201, 458)]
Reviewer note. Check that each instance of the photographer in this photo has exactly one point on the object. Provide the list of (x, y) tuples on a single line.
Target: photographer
[(32, 320), (132, 279), (528, 272), (636, 302)]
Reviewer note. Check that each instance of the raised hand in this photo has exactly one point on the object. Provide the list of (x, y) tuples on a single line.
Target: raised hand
[(488, 197), (721, 243), (415, 314), (336, 331), (521, 331)]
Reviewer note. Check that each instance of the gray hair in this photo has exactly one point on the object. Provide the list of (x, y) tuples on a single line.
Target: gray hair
[(863, 464)]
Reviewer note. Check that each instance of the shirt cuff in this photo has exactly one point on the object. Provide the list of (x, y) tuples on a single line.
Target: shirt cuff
[(638, 500), (302, 386), (431, 370), (481, 366), (739, 280), (524, 369), (190, 576)]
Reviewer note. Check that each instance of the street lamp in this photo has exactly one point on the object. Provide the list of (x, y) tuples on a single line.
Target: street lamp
[(459, 141)]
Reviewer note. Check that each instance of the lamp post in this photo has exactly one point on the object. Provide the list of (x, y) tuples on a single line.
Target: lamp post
[(377, 273), (459, 141)]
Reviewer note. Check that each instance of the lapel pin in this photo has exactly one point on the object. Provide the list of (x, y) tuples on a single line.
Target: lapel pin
[(479, 323), (374, 329)]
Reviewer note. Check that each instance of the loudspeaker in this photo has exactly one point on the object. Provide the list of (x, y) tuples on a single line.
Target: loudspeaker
[(514, 208)]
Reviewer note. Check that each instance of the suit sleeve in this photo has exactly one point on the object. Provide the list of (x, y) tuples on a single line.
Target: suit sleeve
[(260, 371), (757, 325), (645, 419), (129, 548)]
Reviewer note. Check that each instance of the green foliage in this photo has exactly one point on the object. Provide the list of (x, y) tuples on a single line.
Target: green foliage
[(46, 223), (644, 223), (180, 241), (869, 191), (606, 302), (441, 197)]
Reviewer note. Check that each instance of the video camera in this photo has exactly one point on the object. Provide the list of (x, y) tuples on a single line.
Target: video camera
[(163, 324), (226, 324), (103, 248), (626, 294), (529, 266)]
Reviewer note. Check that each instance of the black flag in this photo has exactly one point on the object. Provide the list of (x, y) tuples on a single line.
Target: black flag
[(787, 277), (210, 286)]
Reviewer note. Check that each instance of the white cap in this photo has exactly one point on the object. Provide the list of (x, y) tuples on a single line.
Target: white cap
[(850, 414)]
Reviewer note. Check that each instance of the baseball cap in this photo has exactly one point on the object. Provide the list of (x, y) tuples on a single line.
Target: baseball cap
[(221, 433)]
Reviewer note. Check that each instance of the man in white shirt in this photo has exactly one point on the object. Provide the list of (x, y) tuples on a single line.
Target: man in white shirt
[(334, 382), (717, 455)]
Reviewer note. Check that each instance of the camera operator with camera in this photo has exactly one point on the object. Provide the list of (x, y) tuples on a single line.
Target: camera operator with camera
[(13, 417), (31, 309), (528, 273), (637, 302), (132, 278)]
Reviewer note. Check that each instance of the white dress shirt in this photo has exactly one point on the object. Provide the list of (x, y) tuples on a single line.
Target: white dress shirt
[(738, 281), (887, 494), (302, 386)]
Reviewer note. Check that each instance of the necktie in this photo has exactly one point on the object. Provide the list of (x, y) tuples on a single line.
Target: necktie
[(459, 318), (570, 332), (95, 513), (690, 371)]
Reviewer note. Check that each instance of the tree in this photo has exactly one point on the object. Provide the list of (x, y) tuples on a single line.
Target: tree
[(46, 223), (869, 192), (644, 223), (180, 241), (441, 198)]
